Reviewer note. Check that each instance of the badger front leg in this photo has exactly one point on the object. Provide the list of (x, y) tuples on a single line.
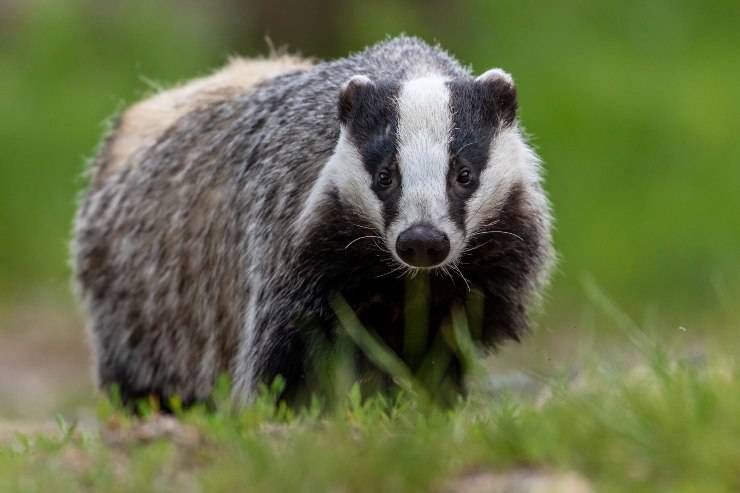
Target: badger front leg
[(271, 345)]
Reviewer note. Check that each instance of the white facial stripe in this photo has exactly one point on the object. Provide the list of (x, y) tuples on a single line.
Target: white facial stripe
[(510, 161), (424, 133), (424, 128)]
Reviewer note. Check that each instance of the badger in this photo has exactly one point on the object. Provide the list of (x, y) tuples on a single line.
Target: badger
[(224, 215)]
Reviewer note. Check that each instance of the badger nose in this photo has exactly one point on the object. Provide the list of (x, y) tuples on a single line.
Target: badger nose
[(422, 245)]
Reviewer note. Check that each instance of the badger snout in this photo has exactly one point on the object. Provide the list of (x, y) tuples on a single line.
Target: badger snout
[(422, 245)]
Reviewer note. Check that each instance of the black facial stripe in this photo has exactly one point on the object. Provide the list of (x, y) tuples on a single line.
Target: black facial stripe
[(473, 128), (373, 128)]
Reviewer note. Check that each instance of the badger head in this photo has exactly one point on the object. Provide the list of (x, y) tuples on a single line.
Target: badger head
[(428, 162)]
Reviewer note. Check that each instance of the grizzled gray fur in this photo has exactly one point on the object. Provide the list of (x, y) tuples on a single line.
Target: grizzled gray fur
[(223, 216)]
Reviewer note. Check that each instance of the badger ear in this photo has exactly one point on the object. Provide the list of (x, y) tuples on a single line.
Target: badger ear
[(351, 95), (500, 94)]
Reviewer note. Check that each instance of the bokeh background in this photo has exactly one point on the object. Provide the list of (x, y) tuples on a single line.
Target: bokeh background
[(634, 107)]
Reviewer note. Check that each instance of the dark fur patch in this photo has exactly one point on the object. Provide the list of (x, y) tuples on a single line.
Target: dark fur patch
[(500, 100), (473, 128), (503, 266), (370, 114)]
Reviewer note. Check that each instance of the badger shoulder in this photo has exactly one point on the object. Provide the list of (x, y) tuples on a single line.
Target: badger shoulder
[(141, 124)]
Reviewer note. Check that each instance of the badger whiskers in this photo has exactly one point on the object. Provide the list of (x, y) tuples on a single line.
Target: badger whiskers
[(471, 248), (362, 238), (402, 270), (398, 268), (394, 266), (361, 226), (491, 231), (446, 271), (456, 268), (483, 232)]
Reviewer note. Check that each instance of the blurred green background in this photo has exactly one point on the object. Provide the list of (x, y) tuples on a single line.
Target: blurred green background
[(634, 107)]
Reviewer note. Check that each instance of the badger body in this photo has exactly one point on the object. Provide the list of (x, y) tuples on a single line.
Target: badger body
[(224, 216)]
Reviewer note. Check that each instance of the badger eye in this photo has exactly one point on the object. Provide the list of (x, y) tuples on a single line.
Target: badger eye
[(385, 179), (464, 177)]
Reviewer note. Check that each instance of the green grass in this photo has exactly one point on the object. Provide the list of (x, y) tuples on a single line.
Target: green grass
[(641, 411), (657, 426)]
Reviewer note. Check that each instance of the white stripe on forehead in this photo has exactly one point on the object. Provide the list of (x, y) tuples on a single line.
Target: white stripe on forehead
[(424, 129)]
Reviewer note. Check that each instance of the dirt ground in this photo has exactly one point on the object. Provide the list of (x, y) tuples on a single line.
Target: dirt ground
[(45, 365)]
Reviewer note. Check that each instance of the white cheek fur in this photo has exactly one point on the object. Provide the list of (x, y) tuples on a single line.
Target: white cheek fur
[(345, 171), (511, 161)]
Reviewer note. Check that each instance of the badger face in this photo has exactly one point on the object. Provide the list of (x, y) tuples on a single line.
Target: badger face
[(428, 161)]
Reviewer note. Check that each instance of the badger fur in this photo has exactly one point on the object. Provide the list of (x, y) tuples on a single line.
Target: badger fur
[(224, 215)]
